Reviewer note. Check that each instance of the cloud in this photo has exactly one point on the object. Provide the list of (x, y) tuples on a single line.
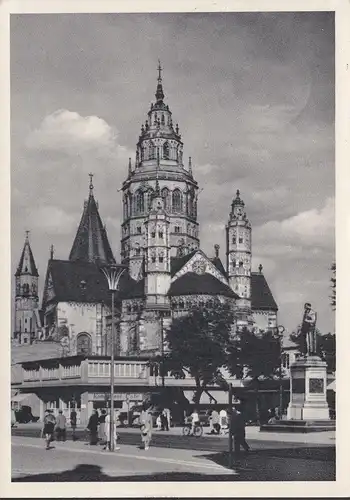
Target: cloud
[(69, 132), (315, 227), (52, 219)]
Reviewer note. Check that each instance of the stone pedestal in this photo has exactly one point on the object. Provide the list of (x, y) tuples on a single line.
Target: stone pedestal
[(308, 390)]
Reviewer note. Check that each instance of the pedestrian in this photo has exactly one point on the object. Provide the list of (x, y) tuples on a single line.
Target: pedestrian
[(92, 427), (61, 426), (108, 432), (48, 428), (101, 428), (238, 431), (73, 423), (13, 418), (168, 417), (215, 421), (165, 420), (146, 426), (194, 420), (223, 420), (159, 422)]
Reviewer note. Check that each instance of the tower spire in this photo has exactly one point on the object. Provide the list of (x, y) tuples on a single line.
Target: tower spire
[(91, 186), (159, 92)]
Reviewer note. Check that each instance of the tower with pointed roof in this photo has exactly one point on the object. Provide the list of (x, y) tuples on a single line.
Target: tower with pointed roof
[(159, 152), (91, 243), (239, 251), (26, 299)]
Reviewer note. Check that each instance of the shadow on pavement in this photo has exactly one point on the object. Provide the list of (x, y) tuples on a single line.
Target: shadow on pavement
[(90, 472)]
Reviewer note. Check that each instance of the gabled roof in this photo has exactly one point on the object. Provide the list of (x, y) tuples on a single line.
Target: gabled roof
[(91, 243), (176, 263), (26, 262), (219, 265), (193, 283), (262, 297), (132, 289)]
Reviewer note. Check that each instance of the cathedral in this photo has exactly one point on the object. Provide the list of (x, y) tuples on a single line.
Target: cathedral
[(163, 269)]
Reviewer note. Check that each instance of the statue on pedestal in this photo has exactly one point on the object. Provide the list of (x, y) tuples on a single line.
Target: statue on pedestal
[(308, 331)]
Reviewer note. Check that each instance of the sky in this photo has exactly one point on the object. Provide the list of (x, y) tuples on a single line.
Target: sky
[(253, 94)]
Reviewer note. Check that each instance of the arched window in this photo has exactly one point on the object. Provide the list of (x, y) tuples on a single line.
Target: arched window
[(152, 151), (149, 198), (163, 120), (125, 206), (25, 289), (166, 150), (177, 201), (139, 202), (84, 344), (165, 196)]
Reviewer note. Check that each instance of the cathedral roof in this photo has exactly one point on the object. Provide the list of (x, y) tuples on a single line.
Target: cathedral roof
[(193, 283), (219, 265), (91, 243), (176, 263), (26, 262), (132, 289), (77, 282), (262, 297)]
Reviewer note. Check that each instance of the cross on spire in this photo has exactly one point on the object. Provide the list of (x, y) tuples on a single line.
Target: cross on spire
[(91, 186), (160, 69), (27, 234)]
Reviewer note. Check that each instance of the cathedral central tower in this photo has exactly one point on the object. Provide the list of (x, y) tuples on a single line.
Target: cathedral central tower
[(159, 155)]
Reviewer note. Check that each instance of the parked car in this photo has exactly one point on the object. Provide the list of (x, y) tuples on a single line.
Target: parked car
[(24, 415)]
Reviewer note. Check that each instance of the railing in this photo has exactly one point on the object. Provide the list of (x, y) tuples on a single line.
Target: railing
[(122, 369)]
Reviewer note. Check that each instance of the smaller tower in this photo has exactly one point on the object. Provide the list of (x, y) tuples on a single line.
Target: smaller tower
[(26, 296), (238, 251), (157, 253)]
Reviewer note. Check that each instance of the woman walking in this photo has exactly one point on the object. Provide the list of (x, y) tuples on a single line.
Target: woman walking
[(92, 427), (146, 427), (101, 429), (48, 428), (108, 432)]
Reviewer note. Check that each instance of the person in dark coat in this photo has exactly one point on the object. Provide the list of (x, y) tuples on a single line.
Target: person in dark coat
[(238, 431), (92, 427), (73, 422)]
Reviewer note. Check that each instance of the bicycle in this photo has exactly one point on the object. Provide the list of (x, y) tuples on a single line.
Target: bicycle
[(197, 431)]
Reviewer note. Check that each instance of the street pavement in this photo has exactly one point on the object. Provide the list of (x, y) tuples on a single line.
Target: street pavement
[(172, 457)]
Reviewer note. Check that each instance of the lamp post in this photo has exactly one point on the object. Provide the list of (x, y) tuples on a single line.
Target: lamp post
[(113, 274), (280, 330)]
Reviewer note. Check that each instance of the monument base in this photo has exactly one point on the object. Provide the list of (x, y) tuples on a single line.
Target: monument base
[(308, 390), (299, 426)]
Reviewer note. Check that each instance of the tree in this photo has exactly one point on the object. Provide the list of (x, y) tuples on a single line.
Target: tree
[(333, 286), (256, 357), (198, 344)]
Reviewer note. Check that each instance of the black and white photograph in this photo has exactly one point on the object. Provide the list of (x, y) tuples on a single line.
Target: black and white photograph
[(173, 264)]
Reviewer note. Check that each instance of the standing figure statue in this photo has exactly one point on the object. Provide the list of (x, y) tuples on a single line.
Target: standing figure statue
[(308, 331)]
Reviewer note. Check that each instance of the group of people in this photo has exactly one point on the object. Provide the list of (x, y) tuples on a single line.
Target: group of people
[(99, 427), (163, 421)]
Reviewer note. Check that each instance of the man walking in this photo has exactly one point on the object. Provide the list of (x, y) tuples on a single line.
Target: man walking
[(48, 428), (238, 431), (61, 426), (73, 423)]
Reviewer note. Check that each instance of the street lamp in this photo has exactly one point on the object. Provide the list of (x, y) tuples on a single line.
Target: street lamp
[(280, 330), (113, 274)]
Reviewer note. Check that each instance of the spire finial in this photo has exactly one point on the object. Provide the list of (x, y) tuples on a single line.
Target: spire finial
[(159, 93), (237, 193), (91, 186), (159, 72), (129, 168), (27, 235), (260, 268), (216, 248), (51, 252)]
